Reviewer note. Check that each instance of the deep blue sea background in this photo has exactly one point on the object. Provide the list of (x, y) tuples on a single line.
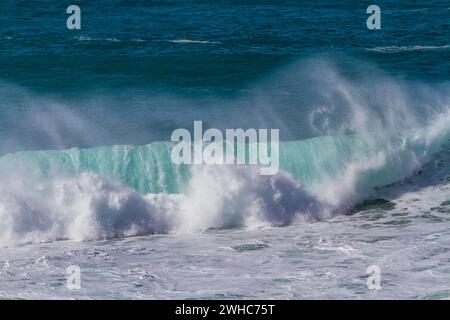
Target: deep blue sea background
[(128, 74)]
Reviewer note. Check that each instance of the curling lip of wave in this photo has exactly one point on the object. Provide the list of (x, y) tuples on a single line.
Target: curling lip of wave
[(149, 168)]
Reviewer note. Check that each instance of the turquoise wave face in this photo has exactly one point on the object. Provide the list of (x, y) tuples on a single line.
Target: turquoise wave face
[(370, 161), (148, 168)]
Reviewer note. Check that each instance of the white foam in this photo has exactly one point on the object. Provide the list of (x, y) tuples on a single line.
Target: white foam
[(90, 207)]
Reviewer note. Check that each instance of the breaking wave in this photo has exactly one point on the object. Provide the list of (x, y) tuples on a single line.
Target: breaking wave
[(121, 191), (382, 136)]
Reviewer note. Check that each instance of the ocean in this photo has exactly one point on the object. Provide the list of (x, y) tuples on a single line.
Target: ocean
[(87, 178)]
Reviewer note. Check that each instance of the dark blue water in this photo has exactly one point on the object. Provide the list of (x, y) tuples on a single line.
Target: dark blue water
[(128, 78)]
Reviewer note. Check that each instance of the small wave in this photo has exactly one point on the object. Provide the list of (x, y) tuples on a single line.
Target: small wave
[(86, 38), (113, 40), (193, 41), (397, 49)]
